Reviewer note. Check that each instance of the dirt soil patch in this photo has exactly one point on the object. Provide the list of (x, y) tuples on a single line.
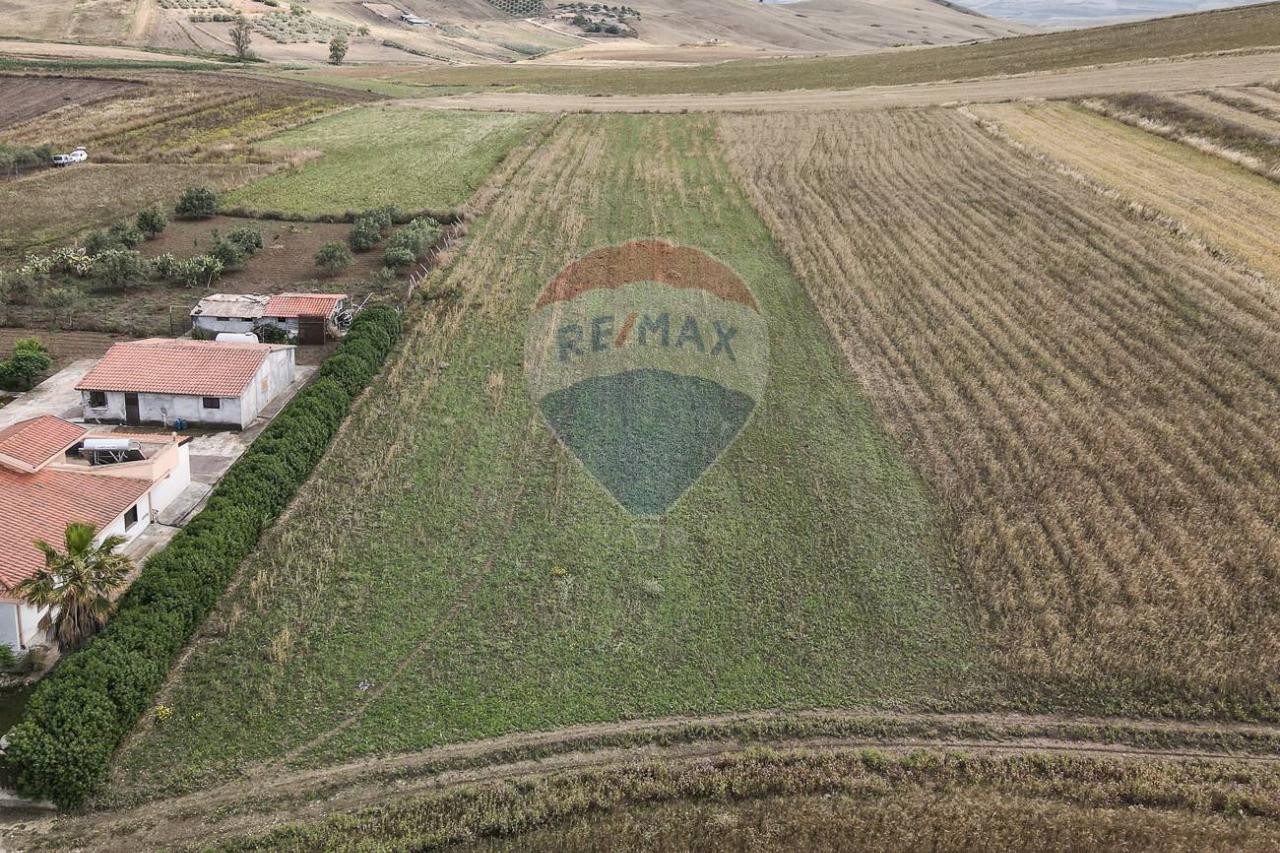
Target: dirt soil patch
[(25, 97), (64, 347), (287, 258)]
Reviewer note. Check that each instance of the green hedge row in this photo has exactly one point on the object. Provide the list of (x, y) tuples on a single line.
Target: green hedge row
[(62, 746)]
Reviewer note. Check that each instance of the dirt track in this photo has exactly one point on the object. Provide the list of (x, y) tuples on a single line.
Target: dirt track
[(268, 797), (1179, 75)]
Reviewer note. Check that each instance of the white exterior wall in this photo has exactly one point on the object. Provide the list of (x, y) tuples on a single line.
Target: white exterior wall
[(111, 412), (11, 611), (163, 408), (19, 640), (232, 324)]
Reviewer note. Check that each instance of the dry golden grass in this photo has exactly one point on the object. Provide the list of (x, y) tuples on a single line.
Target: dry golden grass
[(1224, 105), (1092, 397), (1236, 211), (1230, 139)]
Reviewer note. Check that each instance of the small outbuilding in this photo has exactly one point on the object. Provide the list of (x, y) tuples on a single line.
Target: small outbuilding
[(228, 312), (308, 318), (205, 383)]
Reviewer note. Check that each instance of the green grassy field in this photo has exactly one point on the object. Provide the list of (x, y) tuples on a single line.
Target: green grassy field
[(452, 573), (384, 155), (1230, 29)]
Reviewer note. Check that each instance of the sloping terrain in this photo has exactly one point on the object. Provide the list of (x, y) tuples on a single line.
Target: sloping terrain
[(813, 26)]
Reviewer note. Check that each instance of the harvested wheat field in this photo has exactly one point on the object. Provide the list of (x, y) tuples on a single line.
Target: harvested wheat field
[(1091, 396), (1236, 211)]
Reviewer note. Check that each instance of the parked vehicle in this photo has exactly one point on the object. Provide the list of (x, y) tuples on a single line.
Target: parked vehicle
[(79, 155)]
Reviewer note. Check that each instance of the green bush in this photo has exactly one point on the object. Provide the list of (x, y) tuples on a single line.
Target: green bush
[(200, 271), (396, 257), (197, 203), (417, 237), (229, 254), (151, 221), (365, 234), (248, 238), (333, 258), (29, 360), (8, 660), (61, 747), (116, 268)]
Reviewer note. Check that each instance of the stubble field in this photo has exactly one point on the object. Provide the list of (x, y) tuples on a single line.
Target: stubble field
[(1089, 395), (1216, 201)]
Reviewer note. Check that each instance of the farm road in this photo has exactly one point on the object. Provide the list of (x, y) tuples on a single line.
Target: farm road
[(258, 801), (1175, 75)]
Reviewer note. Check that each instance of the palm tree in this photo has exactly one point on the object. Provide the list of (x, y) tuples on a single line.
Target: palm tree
[(77, 585)]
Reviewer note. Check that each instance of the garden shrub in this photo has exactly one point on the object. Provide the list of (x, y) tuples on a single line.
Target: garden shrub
[(229, 254), (199, 271), (397, 257), (61, 748), (333, 258), (151, 221), (248, 238), (197, 203), (117, 268)]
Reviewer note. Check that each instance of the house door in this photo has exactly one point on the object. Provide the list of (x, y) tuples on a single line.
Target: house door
[(311, 330), (131, 414)]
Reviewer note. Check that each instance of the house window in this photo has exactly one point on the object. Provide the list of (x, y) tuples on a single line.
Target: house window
[(131, 517), (224, 319), (211, 403), (97, 399)]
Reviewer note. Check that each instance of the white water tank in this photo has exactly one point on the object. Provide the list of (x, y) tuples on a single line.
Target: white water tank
[(236, 338), (116, 444)]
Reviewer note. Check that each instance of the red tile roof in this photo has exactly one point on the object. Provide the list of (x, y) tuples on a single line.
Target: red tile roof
[(33, 442), (303, 304), (165, 366), (41, 505)]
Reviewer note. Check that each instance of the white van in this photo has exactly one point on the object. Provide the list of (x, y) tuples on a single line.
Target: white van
[(77, 156)]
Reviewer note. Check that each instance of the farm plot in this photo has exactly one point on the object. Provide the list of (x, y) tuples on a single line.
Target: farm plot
[(452, 572), (184, 117), (1235, 211), (1231, 139), (54, 206), (23, 97), (285, 261), (383, 155), (1092, 396)]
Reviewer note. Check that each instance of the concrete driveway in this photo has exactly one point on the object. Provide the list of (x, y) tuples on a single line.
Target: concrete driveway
[(57, 395)]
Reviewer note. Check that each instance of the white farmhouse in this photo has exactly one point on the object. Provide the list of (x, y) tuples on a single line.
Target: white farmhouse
[(228, 312), (207, 383), (47, 481)]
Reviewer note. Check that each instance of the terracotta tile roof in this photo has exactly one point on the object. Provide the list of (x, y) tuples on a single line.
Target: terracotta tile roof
[(303, 304), (165, 366), (33, 442), (41, 505)]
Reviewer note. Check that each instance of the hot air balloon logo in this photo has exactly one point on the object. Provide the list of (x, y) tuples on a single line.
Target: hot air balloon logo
[(647, 360)]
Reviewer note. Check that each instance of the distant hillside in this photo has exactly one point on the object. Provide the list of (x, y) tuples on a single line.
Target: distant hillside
[(815, 26), (480, 31)]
